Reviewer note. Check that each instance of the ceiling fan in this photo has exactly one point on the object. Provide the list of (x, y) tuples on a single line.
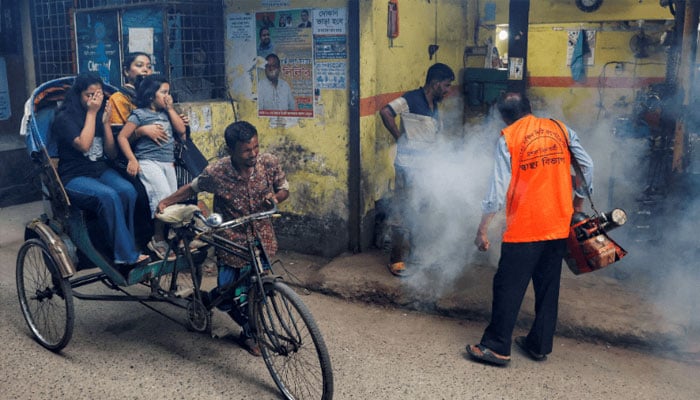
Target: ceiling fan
[(641, 44)]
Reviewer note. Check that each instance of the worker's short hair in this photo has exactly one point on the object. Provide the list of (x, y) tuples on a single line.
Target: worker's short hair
[(439, 72)]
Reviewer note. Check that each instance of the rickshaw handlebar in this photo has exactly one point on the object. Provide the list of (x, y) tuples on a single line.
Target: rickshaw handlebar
[(215, 221)]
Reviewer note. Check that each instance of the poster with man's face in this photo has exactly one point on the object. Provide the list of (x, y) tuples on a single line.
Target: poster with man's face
[(284, 46)]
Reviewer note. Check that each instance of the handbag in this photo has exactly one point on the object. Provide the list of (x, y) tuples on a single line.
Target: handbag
[(589, 248), (189, 163)]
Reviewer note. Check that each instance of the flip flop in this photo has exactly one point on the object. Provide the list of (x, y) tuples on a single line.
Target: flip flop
[(398, 269), (521, 342), (126, 268), (485, 355)]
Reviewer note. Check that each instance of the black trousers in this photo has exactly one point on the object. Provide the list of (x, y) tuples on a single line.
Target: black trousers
[(520, 262)]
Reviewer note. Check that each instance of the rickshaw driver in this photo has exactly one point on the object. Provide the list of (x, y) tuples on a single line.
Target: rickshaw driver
[(244, 183)]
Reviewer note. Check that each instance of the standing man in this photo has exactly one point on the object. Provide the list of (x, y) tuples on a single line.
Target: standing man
[(243, 183), (420, 125), (532, 178), (274, 93)]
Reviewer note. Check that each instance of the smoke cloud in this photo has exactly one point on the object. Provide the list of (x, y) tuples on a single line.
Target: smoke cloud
[(452, 182), (659, 236)]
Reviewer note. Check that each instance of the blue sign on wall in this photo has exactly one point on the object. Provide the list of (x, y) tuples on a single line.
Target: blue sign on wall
[(97, 41)]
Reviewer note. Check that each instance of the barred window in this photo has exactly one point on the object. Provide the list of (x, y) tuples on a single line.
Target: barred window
[(53, 57), (185, 39)]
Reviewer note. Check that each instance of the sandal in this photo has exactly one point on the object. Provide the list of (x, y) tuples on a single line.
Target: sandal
[(521, 342), (398, 269), (143, 259), (483, 354), (249, 344), (159, 248), (195, 245)]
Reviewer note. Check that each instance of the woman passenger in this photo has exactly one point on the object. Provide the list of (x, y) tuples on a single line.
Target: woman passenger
[(135, 67), (84, 136)]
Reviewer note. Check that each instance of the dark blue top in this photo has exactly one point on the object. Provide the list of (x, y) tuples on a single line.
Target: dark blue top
[(418, 104)]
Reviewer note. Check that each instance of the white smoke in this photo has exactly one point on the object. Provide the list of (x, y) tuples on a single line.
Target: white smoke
[(664, 251), (452, 182), (633, 173)]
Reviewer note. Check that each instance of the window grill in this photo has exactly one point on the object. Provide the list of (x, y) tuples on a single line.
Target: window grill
[(53, 54), (192, 41)]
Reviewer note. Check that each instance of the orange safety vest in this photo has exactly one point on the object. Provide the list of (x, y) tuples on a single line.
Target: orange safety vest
[(539, 202)]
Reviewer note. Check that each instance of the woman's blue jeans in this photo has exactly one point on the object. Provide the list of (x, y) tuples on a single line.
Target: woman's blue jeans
[(112, 198)]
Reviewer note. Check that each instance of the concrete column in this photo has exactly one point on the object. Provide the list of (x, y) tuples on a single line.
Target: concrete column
[(518, 22), (27, 46)]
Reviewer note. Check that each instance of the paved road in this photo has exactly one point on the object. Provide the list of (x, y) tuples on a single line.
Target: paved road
[(125, 351)]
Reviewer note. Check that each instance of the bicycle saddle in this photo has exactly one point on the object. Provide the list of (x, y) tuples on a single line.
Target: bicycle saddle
[(177, 214)]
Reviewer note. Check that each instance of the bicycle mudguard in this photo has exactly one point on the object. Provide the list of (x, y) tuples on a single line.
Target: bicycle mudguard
[(57, 248), (271, 279)]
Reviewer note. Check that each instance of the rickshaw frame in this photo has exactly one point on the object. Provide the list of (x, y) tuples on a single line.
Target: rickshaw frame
[(58, 247)]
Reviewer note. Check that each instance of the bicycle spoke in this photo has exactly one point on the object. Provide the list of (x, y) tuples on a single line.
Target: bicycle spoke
[(45, 297), (292, 345)]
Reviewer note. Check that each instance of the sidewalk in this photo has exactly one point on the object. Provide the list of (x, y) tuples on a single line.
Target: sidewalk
[(593, 307)]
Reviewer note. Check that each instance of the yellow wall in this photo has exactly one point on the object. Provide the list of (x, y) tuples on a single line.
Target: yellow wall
[(548, 11), (316, 150), (612, 81), (390, 68), (608, 92), (313, 151)]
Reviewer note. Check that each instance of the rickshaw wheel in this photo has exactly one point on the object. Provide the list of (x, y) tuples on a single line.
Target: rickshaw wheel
[(45, 297), (198, 317), (291, 343)]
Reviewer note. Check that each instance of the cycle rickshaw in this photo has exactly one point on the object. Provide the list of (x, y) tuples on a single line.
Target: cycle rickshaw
[(58, 258)]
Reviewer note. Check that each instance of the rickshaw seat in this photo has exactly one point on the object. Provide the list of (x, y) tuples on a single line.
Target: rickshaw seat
[(47, 157)]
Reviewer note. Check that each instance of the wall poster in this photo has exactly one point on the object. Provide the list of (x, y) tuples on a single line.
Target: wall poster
[(330, 48), (284, 46)]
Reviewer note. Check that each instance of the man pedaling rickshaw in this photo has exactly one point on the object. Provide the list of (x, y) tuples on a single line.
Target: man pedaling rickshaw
[(243, 183)]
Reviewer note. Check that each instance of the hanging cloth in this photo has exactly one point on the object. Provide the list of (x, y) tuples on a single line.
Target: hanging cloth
[(578, 62)]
